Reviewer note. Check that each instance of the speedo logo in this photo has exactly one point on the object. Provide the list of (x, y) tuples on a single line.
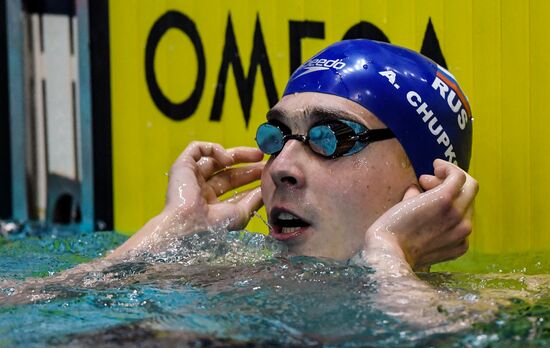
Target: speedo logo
[(319, 64)]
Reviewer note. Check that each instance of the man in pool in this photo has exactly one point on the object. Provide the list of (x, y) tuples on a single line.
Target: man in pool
[(369, 148)]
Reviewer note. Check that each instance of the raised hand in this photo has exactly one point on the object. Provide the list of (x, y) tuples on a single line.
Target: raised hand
[(429, 227), (201, 174)]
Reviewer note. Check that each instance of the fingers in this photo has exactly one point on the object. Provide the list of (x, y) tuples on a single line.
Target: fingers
[(468, 192), (185, 167), (440, 219), (198, 149), (447, 246), (251, 201), (241, 195), (453, 177), (453, 185), (209, 165), (243, 154), (468, 189), (412, 191), (428, 182), (202, 172), (443, 255), (220, 157), (238, 209), (246, 204), (232, 178), (454, 236), (200, 160), (442, 169)]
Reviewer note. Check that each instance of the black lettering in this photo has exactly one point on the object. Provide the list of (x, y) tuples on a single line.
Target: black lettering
[(177, 20), (365, 30), (245, 84), (430, 46), (298, 30)]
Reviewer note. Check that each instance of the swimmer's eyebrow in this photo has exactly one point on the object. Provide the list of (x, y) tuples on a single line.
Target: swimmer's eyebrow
[(315, 113)]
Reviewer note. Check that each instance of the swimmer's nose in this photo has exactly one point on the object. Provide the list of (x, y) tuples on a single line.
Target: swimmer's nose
[(287, 167)]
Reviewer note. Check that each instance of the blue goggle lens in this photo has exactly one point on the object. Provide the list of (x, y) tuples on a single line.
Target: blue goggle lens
[(327, 140), (330, 139), (322, 140), (270, 138)]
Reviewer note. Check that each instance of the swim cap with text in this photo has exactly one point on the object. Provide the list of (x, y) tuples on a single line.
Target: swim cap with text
[(417, 99)]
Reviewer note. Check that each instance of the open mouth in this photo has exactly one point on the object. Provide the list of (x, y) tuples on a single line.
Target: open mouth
[(286, 225)]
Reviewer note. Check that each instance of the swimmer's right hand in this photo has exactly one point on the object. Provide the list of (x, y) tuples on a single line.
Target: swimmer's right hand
[(201, 174), (428, 227), (204, 172)]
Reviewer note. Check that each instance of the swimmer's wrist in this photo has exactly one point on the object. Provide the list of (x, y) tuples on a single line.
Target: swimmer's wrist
[(381, 249)]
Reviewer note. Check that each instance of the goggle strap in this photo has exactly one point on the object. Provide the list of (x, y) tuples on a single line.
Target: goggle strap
[(373, 135)]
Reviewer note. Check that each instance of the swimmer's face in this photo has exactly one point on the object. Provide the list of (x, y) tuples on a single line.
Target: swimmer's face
[(334, 200)]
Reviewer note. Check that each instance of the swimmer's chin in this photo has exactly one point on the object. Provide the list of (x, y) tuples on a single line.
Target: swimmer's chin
[(313, 247), (304, 244)]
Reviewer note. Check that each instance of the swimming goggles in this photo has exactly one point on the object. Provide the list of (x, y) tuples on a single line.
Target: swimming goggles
[(330, 139)]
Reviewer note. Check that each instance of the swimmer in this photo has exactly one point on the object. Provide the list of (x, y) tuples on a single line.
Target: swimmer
[(369, 148)]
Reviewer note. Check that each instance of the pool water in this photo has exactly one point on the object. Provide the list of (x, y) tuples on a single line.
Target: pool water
[(239, 289)]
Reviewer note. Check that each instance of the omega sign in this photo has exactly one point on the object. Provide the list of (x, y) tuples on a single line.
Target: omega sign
[(258, 59)]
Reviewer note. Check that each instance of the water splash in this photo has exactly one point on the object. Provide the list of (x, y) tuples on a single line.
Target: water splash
[(240, 289), (256, 214)]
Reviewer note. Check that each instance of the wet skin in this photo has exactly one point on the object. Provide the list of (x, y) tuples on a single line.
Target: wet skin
[(370, 200), (338, 199)]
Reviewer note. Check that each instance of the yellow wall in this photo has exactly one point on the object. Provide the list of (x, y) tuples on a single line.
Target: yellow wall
[(498, 50)]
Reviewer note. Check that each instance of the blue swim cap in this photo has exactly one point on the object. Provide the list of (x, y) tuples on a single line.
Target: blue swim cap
[(417, 99)]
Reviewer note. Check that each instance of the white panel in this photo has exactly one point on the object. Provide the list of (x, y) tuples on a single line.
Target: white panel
[(57, 64), (40, 131), (74, 77)]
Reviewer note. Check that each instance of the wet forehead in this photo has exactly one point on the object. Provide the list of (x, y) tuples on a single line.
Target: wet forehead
[(314, 107)]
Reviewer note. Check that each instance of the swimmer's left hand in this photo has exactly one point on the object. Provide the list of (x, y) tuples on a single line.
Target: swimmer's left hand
[(428, 227)]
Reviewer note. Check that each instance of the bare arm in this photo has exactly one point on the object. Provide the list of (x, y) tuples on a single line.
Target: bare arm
[(202, 173)]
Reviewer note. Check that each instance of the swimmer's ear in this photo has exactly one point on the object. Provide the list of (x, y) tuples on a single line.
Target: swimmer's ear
[(412, 191)]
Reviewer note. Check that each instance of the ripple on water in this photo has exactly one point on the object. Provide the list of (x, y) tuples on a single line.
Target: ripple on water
[(237, 288)]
